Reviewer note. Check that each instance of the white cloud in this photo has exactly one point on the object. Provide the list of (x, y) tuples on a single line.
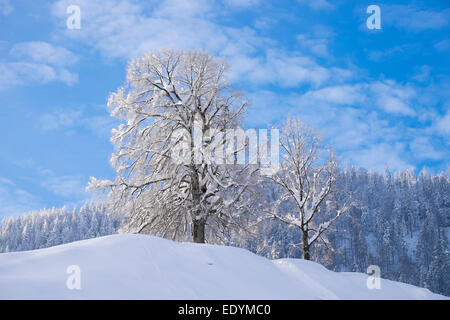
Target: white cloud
[(392, 97), (422, 74), (290, 71), (58, 119), (5, 7), (15, 200), (108, 26), (265, 22), (21, 73), (317, 46), (43, 52), (37, 62), (66, 186), (386, 95), (100, 125), (379, 55), (6, 181), (70, 119), (443, 45), (423, 148), (381, 156), (285, 69), (242, 3), (443, 124), (339, 95), (317, 4), (413, 18)]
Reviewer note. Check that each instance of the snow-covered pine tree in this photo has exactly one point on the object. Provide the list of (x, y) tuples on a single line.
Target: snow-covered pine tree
[(438, 277), (51, 227)]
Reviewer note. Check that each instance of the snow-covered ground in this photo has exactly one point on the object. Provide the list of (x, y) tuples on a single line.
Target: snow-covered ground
[(144, 267)]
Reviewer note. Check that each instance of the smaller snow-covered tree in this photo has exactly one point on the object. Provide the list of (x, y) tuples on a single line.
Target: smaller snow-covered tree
[(306, 179)]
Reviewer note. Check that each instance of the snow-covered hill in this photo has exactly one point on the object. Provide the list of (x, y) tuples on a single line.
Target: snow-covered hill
[(144, 267)]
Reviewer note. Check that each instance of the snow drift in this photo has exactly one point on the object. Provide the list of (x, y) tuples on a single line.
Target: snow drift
[(145, 267)]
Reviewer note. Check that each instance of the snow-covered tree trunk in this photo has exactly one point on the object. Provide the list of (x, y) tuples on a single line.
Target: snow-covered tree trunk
[(306, 246)]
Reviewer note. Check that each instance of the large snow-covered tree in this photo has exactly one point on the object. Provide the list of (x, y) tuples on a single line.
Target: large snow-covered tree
[(173, 178), (306, 179)]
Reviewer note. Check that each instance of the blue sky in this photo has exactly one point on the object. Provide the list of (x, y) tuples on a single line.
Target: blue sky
[(380, 97)]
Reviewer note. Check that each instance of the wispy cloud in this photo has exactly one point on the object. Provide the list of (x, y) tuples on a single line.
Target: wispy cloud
[(58, 119), (6, 181), (379, 55), (317, 46), (317, 4), (15, 200), (5, 7), (69, 186), (413, 18), (100, 123), (384, 95), (443, 125), (37, 62), (242, 3), (423, 148), (43, 52), (443, 45), (381, 156)]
